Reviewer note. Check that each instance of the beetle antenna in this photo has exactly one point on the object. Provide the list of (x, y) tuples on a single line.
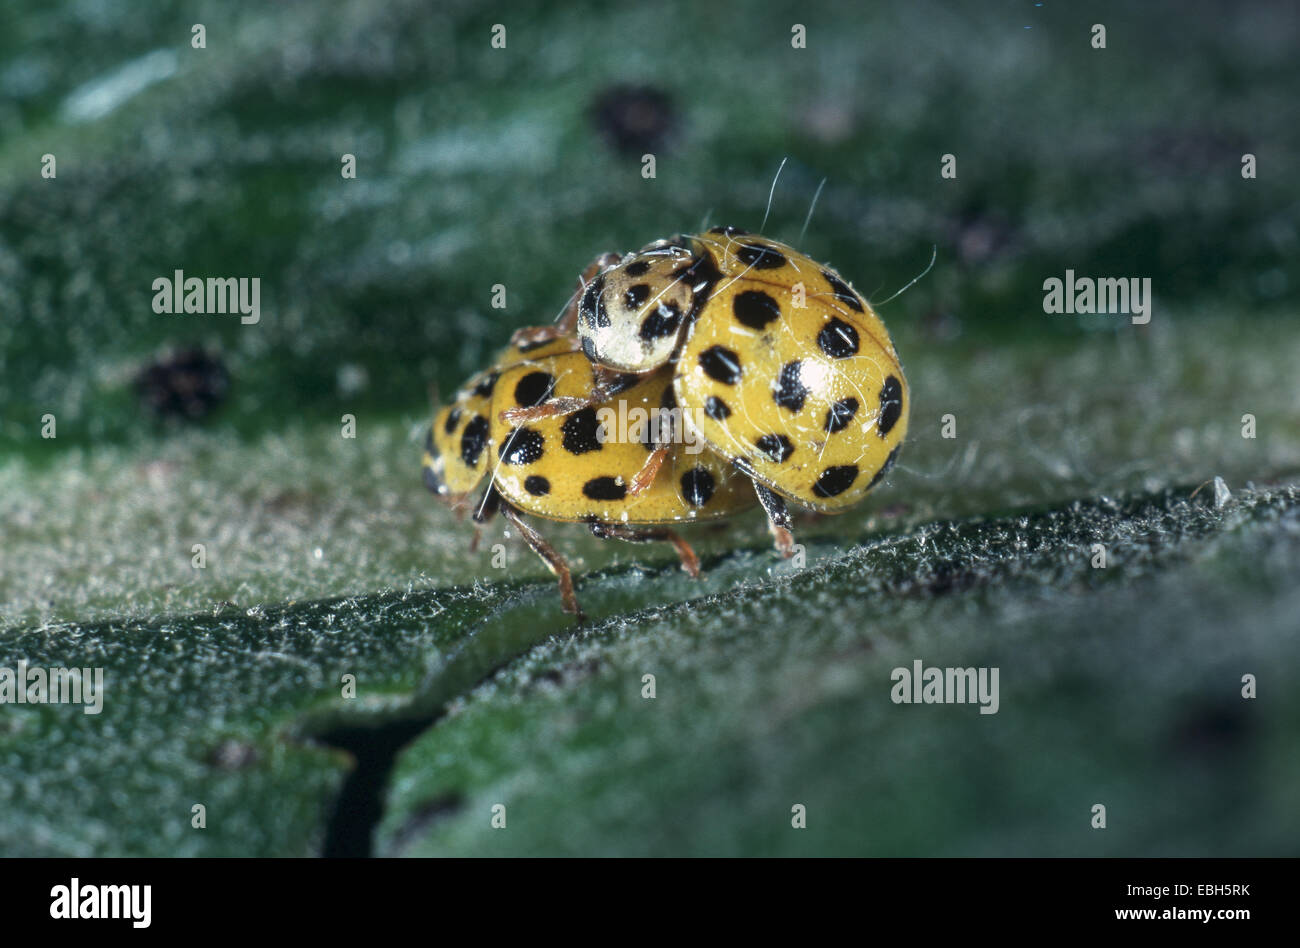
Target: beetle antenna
[(934, 252), (807, 220), (772, 192)]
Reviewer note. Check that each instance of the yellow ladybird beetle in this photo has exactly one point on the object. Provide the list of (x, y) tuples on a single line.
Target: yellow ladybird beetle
[(769, 359), (576, 467)]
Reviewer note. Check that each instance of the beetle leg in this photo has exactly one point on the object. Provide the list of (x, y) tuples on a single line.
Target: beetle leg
[(778, 518), (531, 336), (554, 561), (621, 531), (649, 470), (488, 504)]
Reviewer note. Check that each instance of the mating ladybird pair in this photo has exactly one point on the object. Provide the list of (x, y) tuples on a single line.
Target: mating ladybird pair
[(773, 380)]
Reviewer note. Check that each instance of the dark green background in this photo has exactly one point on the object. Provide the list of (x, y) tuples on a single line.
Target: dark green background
[(479, 166)]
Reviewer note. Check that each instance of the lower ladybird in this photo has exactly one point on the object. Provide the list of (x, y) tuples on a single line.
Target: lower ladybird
[(632, 485)]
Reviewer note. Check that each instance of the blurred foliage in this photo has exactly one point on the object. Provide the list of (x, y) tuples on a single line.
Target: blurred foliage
[(478, 166)]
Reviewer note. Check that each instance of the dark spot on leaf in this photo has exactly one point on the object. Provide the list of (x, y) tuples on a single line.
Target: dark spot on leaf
[(635, 119), (187, 385)]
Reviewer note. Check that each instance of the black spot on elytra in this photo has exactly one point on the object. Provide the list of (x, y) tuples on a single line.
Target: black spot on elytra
[(537, 485), (604, 488), (591, 310), (697, 486), (840, 414), (699, 275), (775, 446), (636, 296), (838, 339), (721, 365), (668, 400), (843, 292), (473, 440), (637, 268), (428, 441), (453, 419), (755, 309), (891, 405), (589, 348), (759, 257), (581, 432), (521, 446), (662, 322), (836, 480), (534, 388), (728, 231), (790, 391), (886, 468), (716, 408), (484, 388)]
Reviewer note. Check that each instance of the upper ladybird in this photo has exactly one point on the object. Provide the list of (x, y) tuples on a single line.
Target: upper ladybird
[(783, 367)]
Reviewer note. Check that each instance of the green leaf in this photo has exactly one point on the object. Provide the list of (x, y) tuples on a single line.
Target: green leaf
[(323, 557), (773, 694)]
